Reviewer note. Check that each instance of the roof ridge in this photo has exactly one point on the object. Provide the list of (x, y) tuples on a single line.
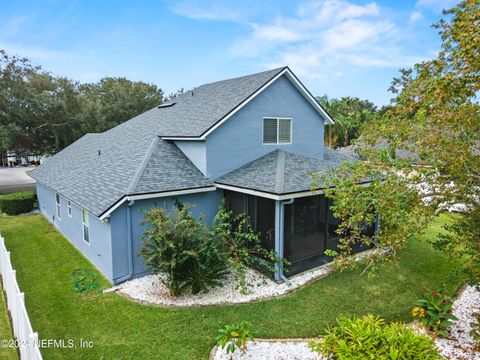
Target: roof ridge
[(276, 70), (143, 164)]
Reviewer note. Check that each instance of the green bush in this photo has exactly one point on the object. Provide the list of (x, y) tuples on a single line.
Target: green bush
[(193, 257), (17, 203), (182, 249), (369, 337), (435, 312), (244, 246)]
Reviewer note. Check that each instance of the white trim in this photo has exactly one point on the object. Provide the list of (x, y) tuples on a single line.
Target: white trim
[(182, 138), (83, 226), (155, 195), (58, 206), (297, 84), (313, 102), (270, 195)]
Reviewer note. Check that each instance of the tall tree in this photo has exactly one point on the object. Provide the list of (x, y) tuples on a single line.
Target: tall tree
[(435, 115), (41, 113), (350, 115)]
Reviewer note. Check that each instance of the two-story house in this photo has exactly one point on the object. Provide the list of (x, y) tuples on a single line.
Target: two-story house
[(253, 140)]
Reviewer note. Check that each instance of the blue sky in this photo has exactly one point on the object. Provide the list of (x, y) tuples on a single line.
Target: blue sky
[(336, 47)]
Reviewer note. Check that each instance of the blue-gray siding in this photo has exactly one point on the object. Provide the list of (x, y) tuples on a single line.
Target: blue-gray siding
[(239, 140), (99, 250), (196, 152), (203, 203), (108, 248)]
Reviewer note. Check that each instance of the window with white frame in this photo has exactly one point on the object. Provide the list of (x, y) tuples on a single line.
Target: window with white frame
[(57, 201), (69, 207), (86, 235), (277, 130)]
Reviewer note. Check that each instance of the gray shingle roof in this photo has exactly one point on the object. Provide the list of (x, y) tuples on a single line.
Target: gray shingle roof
[(278, 172), (133, 159), (195, 111)]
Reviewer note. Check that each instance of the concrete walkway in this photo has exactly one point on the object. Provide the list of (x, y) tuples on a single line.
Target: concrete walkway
[(15, 179)]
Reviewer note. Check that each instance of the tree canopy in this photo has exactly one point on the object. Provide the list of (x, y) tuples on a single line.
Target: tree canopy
[(41, 113), (435, 115), (350, 115)]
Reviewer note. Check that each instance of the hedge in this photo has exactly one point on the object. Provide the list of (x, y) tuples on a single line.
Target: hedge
[(17, 203)]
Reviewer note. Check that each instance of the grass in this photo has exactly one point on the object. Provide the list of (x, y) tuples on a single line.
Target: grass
[(6, 353), (121, 329)]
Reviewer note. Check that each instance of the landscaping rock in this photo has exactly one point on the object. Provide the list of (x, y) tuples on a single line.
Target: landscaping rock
[(150, 289), (269, 350)]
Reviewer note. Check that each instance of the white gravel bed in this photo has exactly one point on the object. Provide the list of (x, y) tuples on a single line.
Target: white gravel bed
[(461, 345), (150, 289), (269, 350)]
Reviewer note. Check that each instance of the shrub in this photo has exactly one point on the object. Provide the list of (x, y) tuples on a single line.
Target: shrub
[(243, 245), (369, 337), (182, 249), (17, 203), (235, 336), (435, 312), (195, 258)]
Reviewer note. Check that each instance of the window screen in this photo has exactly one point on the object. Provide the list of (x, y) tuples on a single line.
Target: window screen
[(284, 131), (269, 131)]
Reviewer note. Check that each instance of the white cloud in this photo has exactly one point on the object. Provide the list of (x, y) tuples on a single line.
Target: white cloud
[(321, 39), (415, 16), (203, 10), (36, 53), (352, 33), (327, 37), (275, 33), (436, 5)]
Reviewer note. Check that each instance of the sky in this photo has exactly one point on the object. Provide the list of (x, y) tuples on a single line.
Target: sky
[(338, 48)]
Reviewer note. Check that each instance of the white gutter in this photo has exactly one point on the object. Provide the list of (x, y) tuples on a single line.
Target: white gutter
[(154, 196), (269, 195)]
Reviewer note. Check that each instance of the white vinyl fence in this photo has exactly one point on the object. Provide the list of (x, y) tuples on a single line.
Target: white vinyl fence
[(26, 339)]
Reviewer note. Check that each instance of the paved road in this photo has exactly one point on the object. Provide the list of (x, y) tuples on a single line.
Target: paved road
[(15, 179)]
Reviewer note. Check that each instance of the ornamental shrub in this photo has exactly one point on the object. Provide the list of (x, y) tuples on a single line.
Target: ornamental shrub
[(244, 246), (192, 257), (17, 203), (435, 312), (370, 337), (183, 251)]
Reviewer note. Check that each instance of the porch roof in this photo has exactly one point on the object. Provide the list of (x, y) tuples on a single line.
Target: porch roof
[(280, 173)]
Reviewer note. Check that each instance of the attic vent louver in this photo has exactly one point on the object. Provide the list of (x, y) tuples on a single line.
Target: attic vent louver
[(166, 105)]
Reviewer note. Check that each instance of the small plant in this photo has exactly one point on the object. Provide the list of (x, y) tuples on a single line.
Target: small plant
[(235, 336), (369, 337), (435, 312)]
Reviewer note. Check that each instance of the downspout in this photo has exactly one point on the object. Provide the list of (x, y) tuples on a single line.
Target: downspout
[(129, 244), (279, 237), (129, 238)]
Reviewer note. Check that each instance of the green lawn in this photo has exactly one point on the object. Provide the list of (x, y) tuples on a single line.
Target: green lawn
[(6, 353), (121, 329)]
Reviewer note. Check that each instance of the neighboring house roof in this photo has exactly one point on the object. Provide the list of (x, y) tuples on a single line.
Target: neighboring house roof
[(280, 173), (99, 171)]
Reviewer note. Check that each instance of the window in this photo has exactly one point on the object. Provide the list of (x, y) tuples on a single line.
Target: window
[(86, 235), (277, 131), (69, 207), (57, 200)]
